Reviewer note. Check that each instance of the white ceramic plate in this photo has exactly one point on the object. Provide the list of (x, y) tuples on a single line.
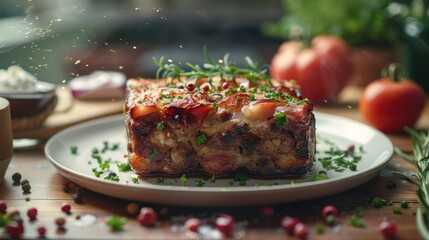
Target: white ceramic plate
[(377, 150)]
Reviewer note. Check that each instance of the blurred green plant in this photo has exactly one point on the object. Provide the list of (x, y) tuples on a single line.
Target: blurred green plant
[(359, 22)]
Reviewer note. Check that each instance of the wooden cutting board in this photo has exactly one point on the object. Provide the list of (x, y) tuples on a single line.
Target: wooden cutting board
[(70, 111)]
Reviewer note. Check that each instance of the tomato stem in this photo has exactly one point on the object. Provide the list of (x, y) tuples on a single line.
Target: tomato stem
[(393, 72)]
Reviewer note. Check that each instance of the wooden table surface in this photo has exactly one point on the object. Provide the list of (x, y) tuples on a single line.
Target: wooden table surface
[(47, 196)]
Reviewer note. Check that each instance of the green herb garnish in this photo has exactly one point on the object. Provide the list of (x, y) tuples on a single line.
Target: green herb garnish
[(390, 184), (379, 202), (153, 153), (396, 211), (337, 159), (201, 139), (319, 229), (225, 69), (356, 221), (73, 150), (160, 180), (241, 177), (160, 126), (213, 179), (116, 223), (4, 220), (404, 204), (124, 167), (359, 212), (183, 178), (96, 172), (112, 176), (135, 180), (199, 182), (281, 119), (27, 199), (419, 158), (319, 176)]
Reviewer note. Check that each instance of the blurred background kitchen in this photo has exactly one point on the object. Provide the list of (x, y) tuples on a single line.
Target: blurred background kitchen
[(57, 41)]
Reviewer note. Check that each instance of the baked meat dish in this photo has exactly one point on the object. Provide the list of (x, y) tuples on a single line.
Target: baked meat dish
[(219, 127)]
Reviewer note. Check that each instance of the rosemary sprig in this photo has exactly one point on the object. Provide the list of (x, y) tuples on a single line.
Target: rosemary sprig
[(420, 158), (225, 70)]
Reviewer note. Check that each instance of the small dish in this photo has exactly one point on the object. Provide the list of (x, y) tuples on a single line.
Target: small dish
[(31, 101)]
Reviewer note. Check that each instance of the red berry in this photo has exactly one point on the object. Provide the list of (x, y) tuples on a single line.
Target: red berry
[(41, 230), (289, 223), (225, 224), (387, 228), (301, 231), (15, 229), (267, 211), (180, 86), (66, 208), (66, 184), (32, 213), (192, 224), (329, 210), (190, 86), (147, 216), (3, 207), (225, 85)]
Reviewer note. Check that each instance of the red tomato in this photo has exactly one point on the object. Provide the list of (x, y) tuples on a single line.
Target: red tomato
[(321, 71), (389, 105)]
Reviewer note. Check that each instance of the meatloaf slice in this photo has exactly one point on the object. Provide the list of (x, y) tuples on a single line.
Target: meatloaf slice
[(264, 128)]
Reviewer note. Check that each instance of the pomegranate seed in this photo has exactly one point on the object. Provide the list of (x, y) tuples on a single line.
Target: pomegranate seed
[(387, 228), (15, 229), (66, 184), (41, 230), (267, 211), (225, 224), (289, 223), (190, 86), (301, 231), (66, 208), (192, 224), (205, 87), (225, 85), (329, 210), (147, 216), (180, 86), (3, 207), (32, 213)]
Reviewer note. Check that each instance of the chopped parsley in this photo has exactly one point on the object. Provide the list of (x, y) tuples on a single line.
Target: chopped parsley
[(73, 150), (359, 212), (153, 153), (337, 159), (199, 182), (281, 119), (105, 165), (160, 180), (27, 199), (404, 204), (116, 223), (201, 139), (390, 184), (213, 179), (319, 176), (135, 180), (160, 126), (112, 176), (379, 202), (96, 172), (124, 167), (241, 177), (183, 178), (319, 229), (396, 211), (356, 221)]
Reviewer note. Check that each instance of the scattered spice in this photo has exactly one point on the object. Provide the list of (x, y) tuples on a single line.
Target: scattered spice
[(337, 159), (116, 223)]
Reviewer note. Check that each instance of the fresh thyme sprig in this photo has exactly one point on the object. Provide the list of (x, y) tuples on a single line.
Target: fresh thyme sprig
[(420, 158), (225, 70)]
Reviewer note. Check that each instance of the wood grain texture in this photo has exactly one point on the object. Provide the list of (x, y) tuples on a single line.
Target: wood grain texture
[(47, 195)]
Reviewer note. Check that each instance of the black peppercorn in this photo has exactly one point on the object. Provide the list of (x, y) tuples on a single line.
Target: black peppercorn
[(26, 188), (16, 177), (23, 182), (78, 198)]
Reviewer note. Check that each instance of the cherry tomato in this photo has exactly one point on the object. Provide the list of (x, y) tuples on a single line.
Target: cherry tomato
[(389, 105), (388, 228), (321, 71)]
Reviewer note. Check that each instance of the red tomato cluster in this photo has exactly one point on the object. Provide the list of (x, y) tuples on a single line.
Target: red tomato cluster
[(321, 70)]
